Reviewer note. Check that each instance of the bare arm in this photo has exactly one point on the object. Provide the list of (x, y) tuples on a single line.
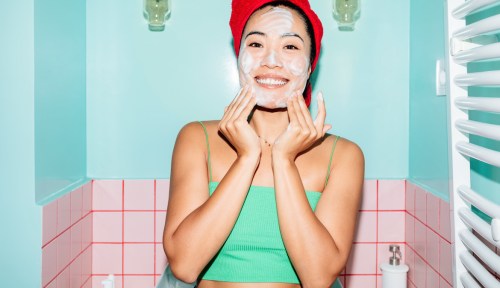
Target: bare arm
[(197, 225), (319, 242)]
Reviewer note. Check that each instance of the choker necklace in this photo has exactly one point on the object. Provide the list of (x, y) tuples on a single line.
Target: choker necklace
[(269, 144)]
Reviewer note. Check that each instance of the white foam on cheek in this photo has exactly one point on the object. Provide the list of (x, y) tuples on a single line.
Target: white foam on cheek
[(298, 67), (247, 62)]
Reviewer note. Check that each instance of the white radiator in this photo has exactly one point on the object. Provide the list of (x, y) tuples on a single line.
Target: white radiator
[(476, 263)]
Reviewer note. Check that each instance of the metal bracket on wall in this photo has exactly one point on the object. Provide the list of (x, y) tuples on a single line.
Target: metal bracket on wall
[(440, 78)]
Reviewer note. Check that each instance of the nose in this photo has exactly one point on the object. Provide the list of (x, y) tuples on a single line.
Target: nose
[(272, 59)]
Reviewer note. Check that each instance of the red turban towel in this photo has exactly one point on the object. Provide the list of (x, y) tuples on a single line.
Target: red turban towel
[(243, 9)]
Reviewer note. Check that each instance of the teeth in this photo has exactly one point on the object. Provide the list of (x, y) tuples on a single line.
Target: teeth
[(270, 81)]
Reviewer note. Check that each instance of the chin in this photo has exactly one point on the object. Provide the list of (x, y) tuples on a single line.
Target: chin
[(271, 99), (272, 104)]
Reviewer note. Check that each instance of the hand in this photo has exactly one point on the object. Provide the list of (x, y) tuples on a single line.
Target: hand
[(302, 132), (234, 124)]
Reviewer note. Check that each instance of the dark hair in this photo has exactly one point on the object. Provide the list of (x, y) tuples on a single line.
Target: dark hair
[(309, 27)]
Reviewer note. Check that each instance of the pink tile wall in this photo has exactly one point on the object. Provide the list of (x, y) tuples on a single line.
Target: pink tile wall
[(121, 226), (67, 240), (428, 239), (129, 216), (381, 223), (128, 231)]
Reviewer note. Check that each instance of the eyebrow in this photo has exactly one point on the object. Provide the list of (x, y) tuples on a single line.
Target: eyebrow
[(282, 36), (292, 35), (255, 33)]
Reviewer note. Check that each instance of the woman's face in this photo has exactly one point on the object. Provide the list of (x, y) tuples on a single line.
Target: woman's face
[(274, 55)]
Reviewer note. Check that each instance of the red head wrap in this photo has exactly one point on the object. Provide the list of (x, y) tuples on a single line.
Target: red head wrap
[(243, 9)]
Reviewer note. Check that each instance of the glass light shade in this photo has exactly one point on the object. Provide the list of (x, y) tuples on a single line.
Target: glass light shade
[(346, 13), (156, 12)]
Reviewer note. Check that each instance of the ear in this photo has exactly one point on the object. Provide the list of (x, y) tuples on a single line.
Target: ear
[(309, 72)]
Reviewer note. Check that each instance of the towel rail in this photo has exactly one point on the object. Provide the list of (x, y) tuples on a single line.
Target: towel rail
[(482, 251), (473, 6), (474, 222), (481, 53), (488, 78), (478, 103), (478, 271), (477, 128), (481, 203), (469, 281), (487, 26), (475, 40), (480, 153)]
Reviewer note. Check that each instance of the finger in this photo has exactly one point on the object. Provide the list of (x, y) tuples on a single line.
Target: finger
[(237, 101), (242, 105), (326, 128), (223, 121), (298, 112), (307, 115), (230, 106), (291, 112), (236, 97), (319, 122), (247, 109)]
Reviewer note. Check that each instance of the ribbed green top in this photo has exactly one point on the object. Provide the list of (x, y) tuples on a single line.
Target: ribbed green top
[(254, 250)]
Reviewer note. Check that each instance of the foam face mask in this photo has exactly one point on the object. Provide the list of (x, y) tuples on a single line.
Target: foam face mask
[(273, 70)]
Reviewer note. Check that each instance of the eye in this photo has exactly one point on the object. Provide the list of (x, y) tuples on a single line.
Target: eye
[(291, 47), (255, 45)]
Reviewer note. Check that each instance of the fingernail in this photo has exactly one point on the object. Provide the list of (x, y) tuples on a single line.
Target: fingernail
[(320, 96)]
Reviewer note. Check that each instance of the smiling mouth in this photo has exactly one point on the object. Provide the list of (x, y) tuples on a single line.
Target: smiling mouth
[(271, 82)]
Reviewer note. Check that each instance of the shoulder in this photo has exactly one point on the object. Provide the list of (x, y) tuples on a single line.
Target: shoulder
[(349, 148), (347, 171), (196, 129), (193, 135), (346, 151)]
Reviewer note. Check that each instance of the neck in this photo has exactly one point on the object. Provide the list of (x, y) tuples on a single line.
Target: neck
[(269, 124)]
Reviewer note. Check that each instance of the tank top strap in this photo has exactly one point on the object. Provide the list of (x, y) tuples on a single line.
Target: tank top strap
[(208, 151), (331, 158)]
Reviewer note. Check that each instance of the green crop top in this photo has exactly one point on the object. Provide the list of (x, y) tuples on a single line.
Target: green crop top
[(254, 250)]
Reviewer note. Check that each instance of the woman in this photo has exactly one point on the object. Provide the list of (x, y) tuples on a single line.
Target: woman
[(263, 197)]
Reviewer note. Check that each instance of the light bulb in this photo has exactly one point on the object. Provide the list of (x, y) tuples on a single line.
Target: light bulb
[(346, 13), (156, 12)]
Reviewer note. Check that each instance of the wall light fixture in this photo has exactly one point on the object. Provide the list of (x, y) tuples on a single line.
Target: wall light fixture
[(156, 12), (346, 13)]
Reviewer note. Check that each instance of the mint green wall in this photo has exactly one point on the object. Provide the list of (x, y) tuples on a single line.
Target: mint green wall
[(485, 178), (60, 106), (143, 86), (20, 217), (428, 165)]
